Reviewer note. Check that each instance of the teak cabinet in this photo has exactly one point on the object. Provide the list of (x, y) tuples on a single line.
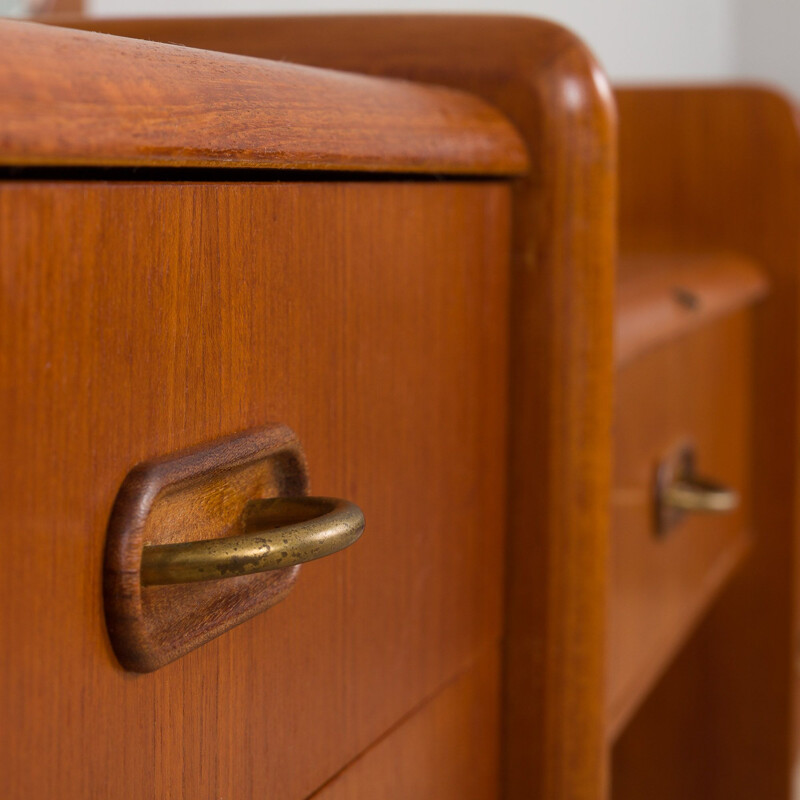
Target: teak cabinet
[(713, 173), (244, 271)]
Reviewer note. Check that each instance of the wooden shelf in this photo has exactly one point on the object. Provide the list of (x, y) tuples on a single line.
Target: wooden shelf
[(663, 295)]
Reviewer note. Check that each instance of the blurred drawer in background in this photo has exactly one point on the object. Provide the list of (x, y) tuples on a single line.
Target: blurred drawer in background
[(683, 393)]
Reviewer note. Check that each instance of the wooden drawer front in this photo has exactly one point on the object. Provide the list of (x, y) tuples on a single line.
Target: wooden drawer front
[(139, 319), (694, 389), (440, 752)]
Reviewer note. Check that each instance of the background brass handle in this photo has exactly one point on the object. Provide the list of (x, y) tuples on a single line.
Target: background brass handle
[(679, 490), (280, 532), (699, 494)]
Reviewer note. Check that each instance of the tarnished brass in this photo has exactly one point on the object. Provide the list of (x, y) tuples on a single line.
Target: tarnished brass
[(698, 494), (279, 532), (678, 491)]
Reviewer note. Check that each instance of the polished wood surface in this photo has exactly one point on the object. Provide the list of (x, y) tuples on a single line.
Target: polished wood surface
[(547, 83), (703, 170), (75, 98), (141, 318), (695, 389), (439, 753), (663, 295), (717, 169)]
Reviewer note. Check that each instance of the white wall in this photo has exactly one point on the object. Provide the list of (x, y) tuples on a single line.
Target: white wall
[(767, 41), (647, 40), (636, 40)]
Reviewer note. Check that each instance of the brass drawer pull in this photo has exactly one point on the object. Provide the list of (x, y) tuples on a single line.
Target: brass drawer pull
[(232, 508), (698, 494), (679, 490), (280, 532)]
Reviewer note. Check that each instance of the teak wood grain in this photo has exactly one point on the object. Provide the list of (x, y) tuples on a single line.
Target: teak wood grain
[(71, 98), (550, 87), (439, 753), (138, 319), (719, 169)]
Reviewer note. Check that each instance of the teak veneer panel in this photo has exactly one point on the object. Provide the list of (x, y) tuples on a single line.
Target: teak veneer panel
[(564, 221), (70, 98), (138, 319)]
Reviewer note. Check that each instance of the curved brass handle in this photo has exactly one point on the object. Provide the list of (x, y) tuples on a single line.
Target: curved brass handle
[(699, 494), (281, 532), (678, 490)]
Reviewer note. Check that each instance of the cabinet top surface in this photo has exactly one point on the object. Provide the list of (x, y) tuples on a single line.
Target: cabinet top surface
[(75, 98)]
